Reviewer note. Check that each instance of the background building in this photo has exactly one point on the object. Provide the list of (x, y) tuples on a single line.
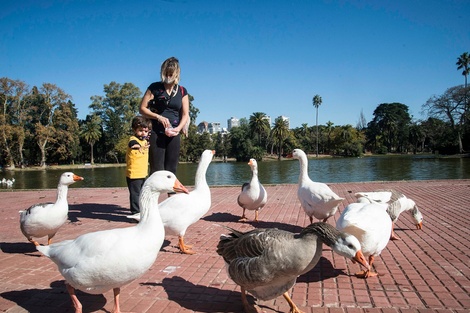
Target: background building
[(232, 122), (214, 127), (203, 127)]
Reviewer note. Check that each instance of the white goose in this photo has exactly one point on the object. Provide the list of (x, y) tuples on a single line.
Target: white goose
[(100, 261), (317, 199), (253, 196), (371, 225), (45, 219), (267, 262), (180, 211), (397, 203)]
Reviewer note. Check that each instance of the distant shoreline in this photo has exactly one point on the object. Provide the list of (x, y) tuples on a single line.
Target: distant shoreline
[(269, 158)]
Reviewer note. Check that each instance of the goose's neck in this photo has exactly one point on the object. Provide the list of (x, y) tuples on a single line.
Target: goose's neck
[(254, 176), (318, 234), (200, 179), (303, 168), (148, 203), (324, 231), (414, 210), (62, 193)]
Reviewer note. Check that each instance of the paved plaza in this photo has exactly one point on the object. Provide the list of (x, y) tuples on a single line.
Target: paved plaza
[(427, 271)]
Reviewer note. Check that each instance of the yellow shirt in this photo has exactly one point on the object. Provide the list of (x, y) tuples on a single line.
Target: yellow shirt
[(137, 160)]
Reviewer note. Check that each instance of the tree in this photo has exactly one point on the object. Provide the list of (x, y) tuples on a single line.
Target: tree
[(116, 110), (463, 62), (45, 102), (362, 123), (450, 107), (348, 141), (439, 136), (91, 132), (222, 145), (417, 137), (329, 129), (240, 142), (279, 133), (303, 136), (193, 111), (13, 117), (390, 126), (317, 101), (67, 142), (259, 125)]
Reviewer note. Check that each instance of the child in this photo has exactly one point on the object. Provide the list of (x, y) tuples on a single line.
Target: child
[(137, 158)]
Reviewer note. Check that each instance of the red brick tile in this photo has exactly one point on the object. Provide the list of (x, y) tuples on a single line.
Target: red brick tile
[(424, 272)]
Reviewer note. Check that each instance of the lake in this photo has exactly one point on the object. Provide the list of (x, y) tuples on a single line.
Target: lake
[(326, 170)]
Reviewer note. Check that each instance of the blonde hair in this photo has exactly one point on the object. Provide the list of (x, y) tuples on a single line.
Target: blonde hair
[(171, 65)]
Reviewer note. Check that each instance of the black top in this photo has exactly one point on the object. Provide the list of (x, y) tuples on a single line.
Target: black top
[(166, 105)]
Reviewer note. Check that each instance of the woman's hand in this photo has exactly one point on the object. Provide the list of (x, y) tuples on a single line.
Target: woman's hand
[(164, 121), (171, 132)]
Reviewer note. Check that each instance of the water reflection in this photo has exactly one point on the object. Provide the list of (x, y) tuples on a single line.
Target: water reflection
[(328, 170)]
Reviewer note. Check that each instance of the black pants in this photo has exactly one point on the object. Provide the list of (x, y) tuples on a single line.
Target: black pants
[(134, 186), (164, 152)]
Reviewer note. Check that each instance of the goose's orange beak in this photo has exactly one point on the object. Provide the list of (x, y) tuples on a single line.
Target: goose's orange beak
[(178, 187), (76, 177), (419, 225), (361, 259)]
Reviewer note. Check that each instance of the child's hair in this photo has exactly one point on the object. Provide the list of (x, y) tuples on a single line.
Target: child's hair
[(141, 122)]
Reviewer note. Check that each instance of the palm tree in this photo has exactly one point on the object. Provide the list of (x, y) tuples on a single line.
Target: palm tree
[(463, 62), (280, 132), (316, 103), (91, 132), (259, 125), (329, 129)]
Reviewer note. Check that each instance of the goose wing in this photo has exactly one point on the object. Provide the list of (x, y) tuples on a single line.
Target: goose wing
[(260, 261)]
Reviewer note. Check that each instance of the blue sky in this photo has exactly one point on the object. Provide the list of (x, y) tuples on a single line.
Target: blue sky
[(241, 56)]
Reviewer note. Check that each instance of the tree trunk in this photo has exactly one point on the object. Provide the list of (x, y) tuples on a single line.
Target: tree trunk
[(9, 157), (20, 150), (42, 147), (92, 160), (460, 142)]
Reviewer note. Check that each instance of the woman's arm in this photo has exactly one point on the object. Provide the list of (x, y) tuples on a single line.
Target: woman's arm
[(145, 111), (184, 114)]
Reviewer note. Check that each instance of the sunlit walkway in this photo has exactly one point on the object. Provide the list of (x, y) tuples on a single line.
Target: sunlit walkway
[(427, 271)]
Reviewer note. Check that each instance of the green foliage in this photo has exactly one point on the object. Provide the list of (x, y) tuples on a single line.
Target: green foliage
[(463, 63), (39, 125), (390, 127), (259, 126), (440, 137), (242, 147), (67, 143), (193, 145), (451, 107), (279, 134), (222, 145), (91, 132), (116, 109)]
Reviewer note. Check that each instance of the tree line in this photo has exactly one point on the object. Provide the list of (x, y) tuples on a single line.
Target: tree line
[(39, 126)]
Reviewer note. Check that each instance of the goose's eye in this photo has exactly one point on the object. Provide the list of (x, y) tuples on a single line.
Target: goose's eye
[(169, 176), (350, 246)]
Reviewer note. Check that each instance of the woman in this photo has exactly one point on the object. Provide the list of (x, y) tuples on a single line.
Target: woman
[(166, 104)]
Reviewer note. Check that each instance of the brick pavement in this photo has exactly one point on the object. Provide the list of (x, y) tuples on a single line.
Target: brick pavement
[(426, 272)]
